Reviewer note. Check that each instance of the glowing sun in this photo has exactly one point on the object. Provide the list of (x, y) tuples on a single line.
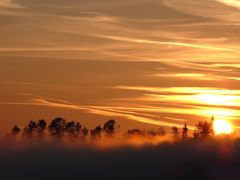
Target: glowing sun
[(222, 127)]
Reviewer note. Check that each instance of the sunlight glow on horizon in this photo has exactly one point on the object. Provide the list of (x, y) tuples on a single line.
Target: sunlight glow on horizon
[(201, 101), (187, 90), (222, 127), (217, 99)]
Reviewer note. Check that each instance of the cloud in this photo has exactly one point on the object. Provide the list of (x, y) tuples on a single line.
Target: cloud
[(195, 76), (44, 49), (145, 41), (182, 90), (98, 110), (34, 85), (233, 3), (205, 102), (108, 111), (96, 27), (228, 65), (9, 4)]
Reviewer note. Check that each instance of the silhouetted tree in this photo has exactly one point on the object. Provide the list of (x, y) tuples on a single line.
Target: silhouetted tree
[(147, 132), (175, 131), (96, 133), (203, 129), (11, 137), (71, 129), (135, 132), (212, 119), (84, 133), (30, 130), (78, 126), (57, 127), (185, 132), (15, 131), (75, 131), (159, 132), (81, 131), (110, 127), (41, 125)]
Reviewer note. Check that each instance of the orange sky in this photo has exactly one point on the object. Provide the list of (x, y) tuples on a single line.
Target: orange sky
[(142, 62)]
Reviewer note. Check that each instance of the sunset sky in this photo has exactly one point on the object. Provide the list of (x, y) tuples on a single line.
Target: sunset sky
[(141, 62)]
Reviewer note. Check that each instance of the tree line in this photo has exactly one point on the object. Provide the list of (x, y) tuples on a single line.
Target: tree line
[(60, 129)]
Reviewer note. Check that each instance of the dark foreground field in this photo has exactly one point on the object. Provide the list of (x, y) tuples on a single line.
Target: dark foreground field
[(203, 159)]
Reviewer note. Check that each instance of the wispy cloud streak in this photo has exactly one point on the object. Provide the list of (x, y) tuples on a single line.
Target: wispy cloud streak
[(145, 41), (98, 110), (233, 3), (10, 4), (43, 49), (222, 103)]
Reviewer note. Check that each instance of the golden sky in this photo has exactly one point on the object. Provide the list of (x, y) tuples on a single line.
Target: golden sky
[(142, 62)]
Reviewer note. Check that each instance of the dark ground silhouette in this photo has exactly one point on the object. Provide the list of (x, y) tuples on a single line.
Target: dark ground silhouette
[(198, 159)]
